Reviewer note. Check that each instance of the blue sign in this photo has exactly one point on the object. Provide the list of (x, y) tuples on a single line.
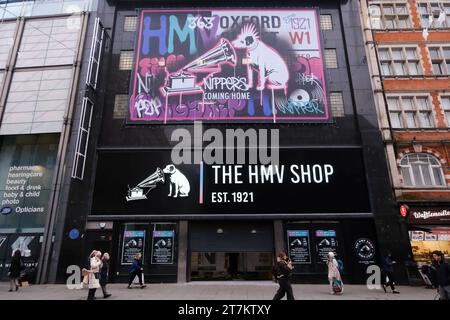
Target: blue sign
[(74, 234)]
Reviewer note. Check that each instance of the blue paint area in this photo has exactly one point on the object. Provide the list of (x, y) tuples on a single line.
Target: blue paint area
[(74, 234), (267, 108), (6, 210), (251, 107)]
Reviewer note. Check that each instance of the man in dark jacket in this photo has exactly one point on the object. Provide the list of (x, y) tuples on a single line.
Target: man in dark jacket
[(136, 270), (388, 273), (283, 276), (442, 275)]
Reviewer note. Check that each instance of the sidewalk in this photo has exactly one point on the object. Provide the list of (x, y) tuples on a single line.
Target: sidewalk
[(236, 290)]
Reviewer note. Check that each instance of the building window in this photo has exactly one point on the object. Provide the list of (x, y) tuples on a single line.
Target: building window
[(49, 42), (126, 60), (337, 104), (82, 139), (410, 112), (434, 14), (331, 59), (390, 16), (130, 24), (326, 22), (120, 106), (446, 108), (421, 170), (440, 60), (399, 61), (7, 30)]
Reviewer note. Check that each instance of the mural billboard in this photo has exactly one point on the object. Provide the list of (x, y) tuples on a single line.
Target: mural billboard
[(256, 65)]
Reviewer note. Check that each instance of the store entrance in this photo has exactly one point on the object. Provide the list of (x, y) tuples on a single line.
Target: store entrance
[(231, 250), (231, 265)]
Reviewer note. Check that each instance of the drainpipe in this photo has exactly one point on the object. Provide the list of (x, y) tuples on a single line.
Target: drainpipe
[(60, 168)]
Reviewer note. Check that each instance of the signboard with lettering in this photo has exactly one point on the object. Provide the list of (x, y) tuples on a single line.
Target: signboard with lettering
[(299, 250), (429, 215), (304, 181), (162, 247), (228, 65)]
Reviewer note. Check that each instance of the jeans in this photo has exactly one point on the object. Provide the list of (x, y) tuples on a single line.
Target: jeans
[(133, 275), (285, 288), (444, 292)]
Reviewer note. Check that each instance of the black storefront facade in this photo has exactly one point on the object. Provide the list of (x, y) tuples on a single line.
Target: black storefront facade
[(198, 220)]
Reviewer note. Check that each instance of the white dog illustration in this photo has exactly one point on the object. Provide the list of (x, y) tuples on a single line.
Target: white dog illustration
[(178, 181), (270, 66)]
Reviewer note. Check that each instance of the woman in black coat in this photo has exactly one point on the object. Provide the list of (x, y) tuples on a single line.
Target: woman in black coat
[(104, 274), (14, 271)]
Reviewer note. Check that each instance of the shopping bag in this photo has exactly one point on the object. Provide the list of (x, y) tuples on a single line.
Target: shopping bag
[(336, 285), (24, 284), (136, 279)]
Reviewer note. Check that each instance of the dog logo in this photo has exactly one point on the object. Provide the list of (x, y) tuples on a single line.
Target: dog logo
[(178, 183), (272, 69)]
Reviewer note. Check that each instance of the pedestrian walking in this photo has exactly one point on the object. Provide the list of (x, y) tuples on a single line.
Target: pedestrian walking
[(14, 271), (283, 271), (136, 271), (441, 268), (388, 273), (334, 276), (104, 272), (94, 274)]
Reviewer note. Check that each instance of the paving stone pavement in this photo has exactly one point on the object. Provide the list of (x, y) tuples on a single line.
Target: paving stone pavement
[(235, 290)]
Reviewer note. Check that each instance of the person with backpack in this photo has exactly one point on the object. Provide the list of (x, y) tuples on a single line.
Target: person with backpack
[(334, 276), (282, 273), (388, 273)]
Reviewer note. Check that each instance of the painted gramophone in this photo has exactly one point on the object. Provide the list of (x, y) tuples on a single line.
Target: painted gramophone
[(137, 193), (184, 80)]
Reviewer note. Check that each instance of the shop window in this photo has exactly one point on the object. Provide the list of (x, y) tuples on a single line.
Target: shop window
[(126, 60), (120, 106), (337, 104), (434, 14), (446, 108), (95, 55), (27, 162), (84, 129), (330, 58), (389, 16), (410, 112), (398, 61), (424, 243), (440, 60), (130, 24), (326, 22), (421, 170)]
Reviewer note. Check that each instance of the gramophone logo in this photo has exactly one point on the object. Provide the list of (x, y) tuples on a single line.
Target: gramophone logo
[(178, 184)]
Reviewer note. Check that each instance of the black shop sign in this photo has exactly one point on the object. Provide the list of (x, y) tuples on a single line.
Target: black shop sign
[(312, 180)]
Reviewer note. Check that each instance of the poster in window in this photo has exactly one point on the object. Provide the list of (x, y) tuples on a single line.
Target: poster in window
[(298, 246), (325, 242), (133, 243), (162, 247)]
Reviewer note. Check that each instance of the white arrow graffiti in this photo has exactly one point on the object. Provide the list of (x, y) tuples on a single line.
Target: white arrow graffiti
[(21, 244)]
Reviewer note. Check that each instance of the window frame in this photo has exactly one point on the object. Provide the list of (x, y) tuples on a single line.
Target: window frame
[(409, 167), (405, 61), (416, 110), (394, 17)]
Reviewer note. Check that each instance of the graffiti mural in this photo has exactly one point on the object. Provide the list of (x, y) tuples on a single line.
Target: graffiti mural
[(228, 65)]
